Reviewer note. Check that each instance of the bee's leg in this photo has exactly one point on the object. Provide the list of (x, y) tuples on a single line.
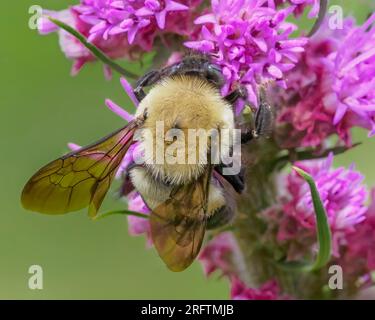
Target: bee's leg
[(263, 123), (247, 136), (233, 96), (148, 79), (236, 181)]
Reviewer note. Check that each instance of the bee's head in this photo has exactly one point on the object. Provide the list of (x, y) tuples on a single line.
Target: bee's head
[(182, 114)]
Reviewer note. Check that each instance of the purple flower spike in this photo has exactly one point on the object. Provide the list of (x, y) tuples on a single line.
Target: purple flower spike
[(118, 110), (159, 9), (343, 195), (129, 91), (112, 18), (268, 291), (122, 29), (353, 70), (250, 42), (332, 89)]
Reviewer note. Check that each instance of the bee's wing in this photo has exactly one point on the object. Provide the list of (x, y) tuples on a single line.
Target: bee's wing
[(80, 178), (178, 225)]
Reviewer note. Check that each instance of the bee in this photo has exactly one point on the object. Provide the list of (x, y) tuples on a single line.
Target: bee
[(184, 199)]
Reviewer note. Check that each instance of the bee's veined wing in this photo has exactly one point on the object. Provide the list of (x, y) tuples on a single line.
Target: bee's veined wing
[(178, 225), (80, 178)]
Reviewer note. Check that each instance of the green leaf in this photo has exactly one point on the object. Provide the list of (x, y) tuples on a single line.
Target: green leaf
[(122, 212), (100, 55), (323, 230)]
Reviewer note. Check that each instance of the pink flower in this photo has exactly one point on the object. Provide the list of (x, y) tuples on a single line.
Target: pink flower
[(159, 10), (343, 196), (115, 48), (137, 225), (361, 243), (141, 21), (71, 47), (249, 41), (332, 88), (352, 94), (268, 291), (221, 253), (122, 29)]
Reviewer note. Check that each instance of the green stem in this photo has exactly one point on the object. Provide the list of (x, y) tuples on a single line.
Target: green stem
[(94, 50)]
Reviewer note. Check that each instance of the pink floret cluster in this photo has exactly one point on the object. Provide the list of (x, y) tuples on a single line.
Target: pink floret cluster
[(122, 29), (250, 41), (293, 221), (332, 88)]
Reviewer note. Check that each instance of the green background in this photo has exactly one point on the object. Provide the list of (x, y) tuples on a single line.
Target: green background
[(42, 108)]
